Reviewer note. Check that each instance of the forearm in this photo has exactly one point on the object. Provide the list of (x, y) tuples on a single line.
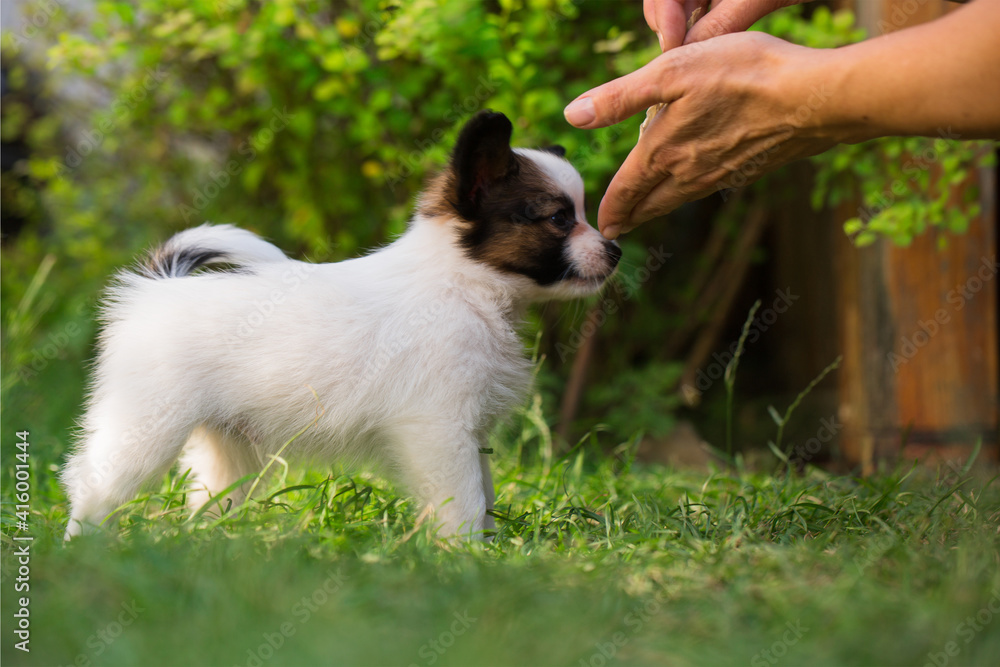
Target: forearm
[(741, 97), (922, 81)]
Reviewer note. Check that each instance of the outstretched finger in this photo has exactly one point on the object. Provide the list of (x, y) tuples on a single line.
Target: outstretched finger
[(625, 96), (633, 183), (667, 196)]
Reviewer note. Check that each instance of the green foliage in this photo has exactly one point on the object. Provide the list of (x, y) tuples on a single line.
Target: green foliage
[(822, 29), (640, 398), (313, 125), (906, 186)]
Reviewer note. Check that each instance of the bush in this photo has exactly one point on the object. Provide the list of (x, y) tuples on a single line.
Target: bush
[(311, 125), (315, 125)]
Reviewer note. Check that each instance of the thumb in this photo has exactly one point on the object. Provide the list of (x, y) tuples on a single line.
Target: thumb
[(728, 16), (625, 96)]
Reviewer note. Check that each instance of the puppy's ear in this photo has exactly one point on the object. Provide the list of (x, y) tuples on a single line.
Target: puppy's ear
[(555, 149), (482, 157)]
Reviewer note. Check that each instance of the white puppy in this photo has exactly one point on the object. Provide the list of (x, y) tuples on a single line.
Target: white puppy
[(404, 358)]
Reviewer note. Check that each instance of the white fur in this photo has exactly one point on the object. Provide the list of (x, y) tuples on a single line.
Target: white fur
[(403, 359), (587, 249)]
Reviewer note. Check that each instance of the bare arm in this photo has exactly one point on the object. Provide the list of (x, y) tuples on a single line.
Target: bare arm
[(923, 79), (749, 98)]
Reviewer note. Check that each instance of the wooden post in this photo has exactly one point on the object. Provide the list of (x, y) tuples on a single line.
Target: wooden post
[(918, 326)]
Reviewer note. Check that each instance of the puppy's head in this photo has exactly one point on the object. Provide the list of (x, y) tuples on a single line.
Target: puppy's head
[(521, 212)]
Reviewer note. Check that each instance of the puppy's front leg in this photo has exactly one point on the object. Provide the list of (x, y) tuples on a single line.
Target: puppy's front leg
[(442, 468), (488, 491)]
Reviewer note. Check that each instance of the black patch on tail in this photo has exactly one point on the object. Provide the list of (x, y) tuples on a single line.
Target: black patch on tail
[(169, 263)]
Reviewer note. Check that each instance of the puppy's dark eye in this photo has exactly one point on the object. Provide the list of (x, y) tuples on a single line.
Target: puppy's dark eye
[(562, 219)]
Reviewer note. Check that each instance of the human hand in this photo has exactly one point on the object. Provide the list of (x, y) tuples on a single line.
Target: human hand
[(669, 18), (745, 102)]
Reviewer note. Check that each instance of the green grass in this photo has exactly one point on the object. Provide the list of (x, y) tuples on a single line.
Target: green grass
[(597, 560)]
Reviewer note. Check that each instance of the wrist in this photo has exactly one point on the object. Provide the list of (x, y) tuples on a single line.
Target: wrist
[(825, 97), (856, 112), (919, 81)]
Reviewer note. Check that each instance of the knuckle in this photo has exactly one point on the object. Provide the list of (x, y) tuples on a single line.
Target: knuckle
[(615, 109), (625, 191), (706, 182), (718, 25), (661, 159), (649, 90)]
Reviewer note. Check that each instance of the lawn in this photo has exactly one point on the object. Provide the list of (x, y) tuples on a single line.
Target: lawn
[(597, 560)]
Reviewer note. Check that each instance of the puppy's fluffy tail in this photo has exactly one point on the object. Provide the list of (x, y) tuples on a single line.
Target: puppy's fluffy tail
[(209, 244)]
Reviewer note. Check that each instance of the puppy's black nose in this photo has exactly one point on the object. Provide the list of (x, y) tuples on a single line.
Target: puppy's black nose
[(613, 252)]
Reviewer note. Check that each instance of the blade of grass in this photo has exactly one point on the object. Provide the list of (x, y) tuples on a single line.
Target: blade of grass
[(730, 377)]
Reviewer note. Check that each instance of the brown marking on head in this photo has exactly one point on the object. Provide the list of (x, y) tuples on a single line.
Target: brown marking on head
[(510, 213)]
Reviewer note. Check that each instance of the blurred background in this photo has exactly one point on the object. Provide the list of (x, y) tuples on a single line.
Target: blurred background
[(315, 124)]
